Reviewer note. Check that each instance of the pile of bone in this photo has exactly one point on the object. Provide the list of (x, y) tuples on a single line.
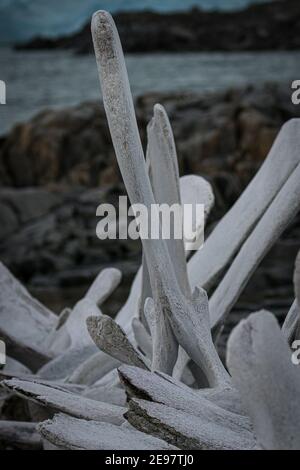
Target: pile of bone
[(92, 382)]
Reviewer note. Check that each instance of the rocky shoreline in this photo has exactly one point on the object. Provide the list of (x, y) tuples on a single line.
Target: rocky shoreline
[(58, 167), (270, 26)]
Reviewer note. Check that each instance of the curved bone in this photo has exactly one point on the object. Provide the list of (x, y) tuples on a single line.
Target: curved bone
[(130, 308), (124, 131), (66, 402), (164, 346), (276, 218), (65, 364), (195, 190), (164, 177), (202, 194), (111, 379), (142, 337), (185, 430), (58, 339), (72, 332), (93, 368), (207, 264), (25, 322), (259, 360), (297, 279), (291, 325), (221, 246), (107, 394), (104, 285), (110, 338), (175, 395), (71, 433), (76, 323)]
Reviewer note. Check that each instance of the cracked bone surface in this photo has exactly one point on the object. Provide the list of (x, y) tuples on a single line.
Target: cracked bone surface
[(259, 359), (158, 353), (187, 314)]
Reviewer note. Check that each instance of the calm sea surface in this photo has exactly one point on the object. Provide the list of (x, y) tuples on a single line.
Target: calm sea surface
[(38, 80)]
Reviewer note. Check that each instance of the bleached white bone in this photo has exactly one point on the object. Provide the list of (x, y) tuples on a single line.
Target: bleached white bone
[(164, 347), (65, 364), (71, 433), (73, 332), (291, 325), (186, 430), (104, 285), (93, 368), (282, 210), (176, 395), (142, 337), (297, 279), (110, 338), (224, 242), (164, 177), (107, 394), (24, 322), (259, 360), (186, 315), (66, 402)]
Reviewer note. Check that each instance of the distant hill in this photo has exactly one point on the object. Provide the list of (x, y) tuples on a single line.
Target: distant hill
[(268, 26), (21, 20)]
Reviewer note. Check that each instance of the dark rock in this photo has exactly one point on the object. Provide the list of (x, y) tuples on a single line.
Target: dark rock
[(271, 26)]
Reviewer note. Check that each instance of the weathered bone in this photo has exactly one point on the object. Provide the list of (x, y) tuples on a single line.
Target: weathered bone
[(107, 394), (73, 333), (65, 364), (139, 383), (70, 403), (142, 337), (104, 285), (94, 368), (192, 191), (164, 348), (111, 379), (185, 314), (25, 322), (221, 246), (259, 360), (291, 325), (110, 338), (71, 433), (187, 431), (164, 177), (283, 209), (297, 279), (210, 262)]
